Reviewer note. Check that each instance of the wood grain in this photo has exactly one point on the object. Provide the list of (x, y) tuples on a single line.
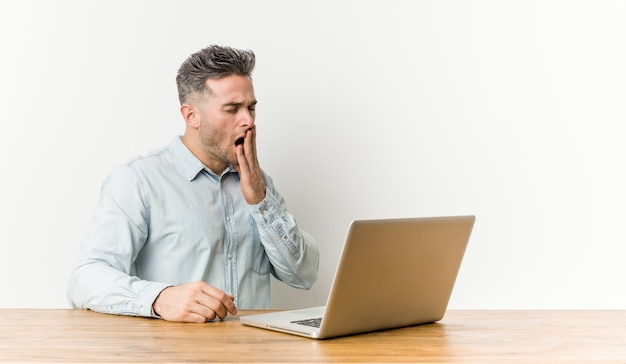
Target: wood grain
[(77, 336)]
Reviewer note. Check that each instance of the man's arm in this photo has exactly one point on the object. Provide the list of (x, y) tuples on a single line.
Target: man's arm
[(293, 252), (103, 280)]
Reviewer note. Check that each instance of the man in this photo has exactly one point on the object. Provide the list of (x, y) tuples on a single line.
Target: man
[(191, 231)]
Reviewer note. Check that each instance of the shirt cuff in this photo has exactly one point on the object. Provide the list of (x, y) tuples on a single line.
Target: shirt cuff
[(147, 296), (266, 210)]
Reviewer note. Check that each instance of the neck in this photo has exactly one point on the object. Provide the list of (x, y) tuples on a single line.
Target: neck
[(196, 149)]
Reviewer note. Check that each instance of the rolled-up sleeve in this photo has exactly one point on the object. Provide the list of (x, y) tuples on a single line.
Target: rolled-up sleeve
[(293, 252)]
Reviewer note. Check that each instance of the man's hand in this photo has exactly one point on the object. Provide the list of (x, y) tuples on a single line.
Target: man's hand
[(252, 184), (193, 302)]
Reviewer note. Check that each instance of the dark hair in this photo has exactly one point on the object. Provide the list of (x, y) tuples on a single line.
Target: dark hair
[(212, 62)]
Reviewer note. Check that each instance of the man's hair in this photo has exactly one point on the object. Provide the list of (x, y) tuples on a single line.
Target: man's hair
[(212, 62)]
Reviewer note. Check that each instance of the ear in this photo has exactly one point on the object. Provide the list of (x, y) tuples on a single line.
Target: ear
[(191, 115)]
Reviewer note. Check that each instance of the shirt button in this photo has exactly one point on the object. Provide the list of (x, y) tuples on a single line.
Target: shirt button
[(230, 256)]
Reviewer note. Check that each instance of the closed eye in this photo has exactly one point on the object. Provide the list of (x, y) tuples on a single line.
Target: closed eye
[(252, 106)]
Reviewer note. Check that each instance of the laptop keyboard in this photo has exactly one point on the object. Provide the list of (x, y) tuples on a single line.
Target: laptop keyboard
[(314, 322)]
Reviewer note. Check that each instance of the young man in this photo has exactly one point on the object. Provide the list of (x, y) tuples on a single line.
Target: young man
[(191, 231)]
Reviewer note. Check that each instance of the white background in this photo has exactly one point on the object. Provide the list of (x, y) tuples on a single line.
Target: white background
[(509, 110)]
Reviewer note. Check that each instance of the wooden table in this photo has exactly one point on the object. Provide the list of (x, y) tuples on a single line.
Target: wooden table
[(54, 336)]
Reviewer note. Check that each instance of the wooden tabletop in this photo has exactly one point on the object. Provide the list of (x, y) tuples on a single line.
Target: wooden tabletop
[(77, 336)]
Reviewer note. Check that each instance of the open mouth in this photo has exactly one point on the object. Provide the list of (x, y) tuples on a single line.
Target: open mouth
[(239, 141)]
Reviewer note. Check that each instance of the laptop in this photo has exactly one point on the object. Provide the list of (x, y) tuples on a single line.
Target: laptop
[(392, 273)]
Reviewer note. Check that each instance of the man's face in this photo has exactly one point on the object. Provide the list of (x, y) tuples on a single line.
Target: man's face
[(225, 116)]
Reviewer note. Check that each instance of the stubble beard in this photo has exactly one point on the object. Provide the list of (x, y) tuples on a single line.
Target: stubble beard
[(214, 142)]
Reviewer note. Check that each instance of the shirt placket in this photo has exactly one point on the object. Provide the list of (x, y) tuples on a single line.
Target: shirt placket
[(231, 239)]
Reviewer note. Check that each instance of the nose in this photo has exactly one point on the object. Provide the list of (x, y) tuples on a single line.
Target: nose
[(246, 118)]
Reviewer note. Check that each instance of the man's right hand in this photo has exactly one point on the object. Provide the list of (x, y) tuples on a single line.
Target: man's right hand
[(193, 302)]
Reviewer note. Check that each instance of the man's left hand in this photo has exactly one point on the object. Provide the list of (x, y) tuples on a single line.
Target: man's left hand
[(252, 184)]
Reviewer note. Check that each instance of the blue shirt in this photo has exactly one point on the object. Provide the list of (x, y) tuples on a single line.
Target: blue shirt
[(165, 219)]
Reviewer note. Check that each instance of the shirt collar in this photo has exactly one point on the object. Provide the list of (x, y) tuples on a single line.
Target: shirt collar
[(188, 164)]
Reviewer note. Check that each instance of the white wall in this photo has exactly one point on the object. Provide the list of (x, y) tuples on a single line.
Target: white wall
[(509, 110)]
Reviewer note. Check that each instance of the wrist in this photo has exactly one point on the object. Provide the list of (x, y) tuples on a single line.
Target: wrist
[(156, 305)]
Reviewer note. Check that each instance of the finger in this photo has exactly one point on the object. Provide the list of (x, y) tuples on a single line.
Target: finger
[(217, 309), (220, 302), (242, 163), (247, 159), (253, 142), (208, 309), (247, 143), (251, 148), (196, 318)]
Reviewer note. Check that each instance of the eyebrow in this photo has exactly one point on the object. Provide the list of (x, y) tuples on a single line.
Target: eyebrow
[(238, 104)]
